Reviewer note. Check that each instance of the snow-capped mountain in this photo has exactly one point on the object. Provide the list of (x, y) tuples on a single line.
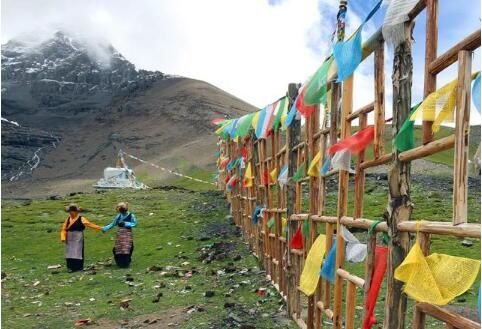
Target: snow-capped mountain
[(69, 103)]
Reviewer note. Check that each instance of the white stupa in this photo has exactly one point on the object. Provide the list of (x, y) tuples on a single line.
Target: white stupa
[(120, 176)]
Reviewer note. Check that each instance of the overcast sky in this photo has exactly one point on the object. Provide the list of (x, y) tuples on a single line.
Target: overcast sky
[(250, 48)]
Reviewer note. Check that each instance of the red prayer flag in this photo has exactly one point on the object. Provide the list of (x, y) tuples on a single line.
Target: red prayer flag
[(265, 181), (226, 180), (244, 152), (297, 240), (305, 110), (376, 282), (217, 121), (356, 143)]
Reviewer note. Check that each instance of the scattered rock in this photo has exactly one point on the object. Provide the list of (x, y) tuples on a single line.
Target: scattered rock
[(157, 298), (229, 305), (467, 243), (4, 275), (125, 303), (155, 268), (209, 294), (237, 258), (55, 197)]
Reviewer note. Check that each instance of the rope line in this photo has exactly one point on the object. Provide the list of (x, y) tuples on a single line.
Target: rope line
[(167, 170)]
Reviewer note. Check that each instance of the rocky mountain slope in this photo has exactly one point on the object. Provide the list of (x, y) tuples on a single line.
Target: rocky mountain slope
[(77, 103)]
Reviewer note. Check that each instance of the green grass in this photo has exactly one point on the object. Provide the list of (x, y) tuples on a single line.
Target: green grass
[(30, 243)]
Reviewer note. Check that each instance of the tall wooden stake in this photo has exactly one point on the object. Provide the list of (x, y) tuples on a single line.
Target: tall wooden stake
[(399, 207), (293, 138)]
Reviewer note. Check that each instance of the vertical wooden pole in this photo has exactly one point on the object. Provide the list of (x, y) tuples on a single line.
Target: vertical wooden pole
[(399, 207), (360, 175), (431, 41), (462, 117), (347, 105), (379, 108), (293, 138), (350, 305), (314, 147)]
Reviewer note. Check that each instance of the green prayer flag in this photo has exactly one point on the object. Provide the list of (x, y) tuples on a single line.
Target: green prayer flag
[(306, 228), (299, 174), (245, 124), (271, 223), (317, 87), (277, 119), (405, 139)]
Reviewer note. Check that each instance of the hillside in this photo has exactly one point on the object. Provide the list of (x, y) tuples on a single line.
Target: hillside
[(93, 105)]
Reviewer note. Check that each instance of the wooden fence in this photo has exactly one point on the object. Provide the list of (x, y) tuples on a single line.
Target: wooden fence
[(294, 147)]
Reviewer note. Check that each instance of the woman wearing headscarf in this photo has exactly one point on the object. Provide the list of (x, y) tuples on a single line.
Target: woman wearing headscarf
[(124, 243), (72, 234)]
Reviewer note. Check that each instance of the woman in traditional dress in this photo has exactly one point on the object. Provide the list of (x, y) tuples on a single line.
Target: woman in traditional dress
[(72, 234), (124, 243)]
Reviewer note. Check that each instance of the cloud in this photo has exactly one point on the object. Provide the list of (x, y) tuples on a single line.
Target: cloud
[(250, 48)]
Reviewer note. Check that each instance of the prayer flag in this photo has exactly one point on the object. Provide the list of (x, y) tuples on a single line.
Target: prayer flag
[(356, 251), (244, 125), (314, 169), (393, 28), (282, 109), (438, 278), (341, 160), (270, 223), (378, 273), (405, 139), (310, 275), (476, 92), (297, 240), (299, 174), (273, 175), (283, 176), (355, 143), (248, 177), (329, 266), (317, 86)]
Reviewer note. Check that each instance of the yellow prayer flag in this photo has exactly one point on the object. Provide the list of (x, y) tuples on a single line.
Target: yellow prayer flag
[(254, 123), (274, 175), (311, 271), (439, 106), (438, 278), (248, 176), (314, 170)]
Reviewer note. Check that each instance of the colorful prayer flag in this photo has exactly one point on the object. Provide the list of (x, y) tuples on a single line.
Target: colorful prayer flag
[(476, 92), (282, 109), (341, 160), (283, 176), (378, 273), (297, 240), (310, 275), (248, 176), (244, 125), (273, 175), (299, 174), (355, 143), (405, 139), (317, 86), (436, 279), (314, 169), (329, 266)]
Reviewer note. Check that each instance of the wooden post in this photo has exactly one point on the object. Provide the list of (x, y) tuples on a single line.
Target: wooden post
[(431, 41), (461, 156), (293, 138), (379, 105), (347, 105), (399, 206)]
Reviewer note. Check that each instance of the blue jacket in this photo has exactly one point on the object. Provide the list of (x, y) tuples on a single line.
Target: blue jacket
[(121, 218)]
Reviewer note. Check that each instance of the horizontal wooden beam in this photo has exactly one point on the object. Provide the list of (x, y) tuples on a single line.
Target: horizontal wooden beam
[(325, 219), (454, 319), (325, 131), (275, 210), (471, 42), (469, 230), (327, 311), (298, 252), (300, 145), (281, 151), (436, 146), (299, 217), (363, 223), (357, 281), (384, 159), (364, 110)]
